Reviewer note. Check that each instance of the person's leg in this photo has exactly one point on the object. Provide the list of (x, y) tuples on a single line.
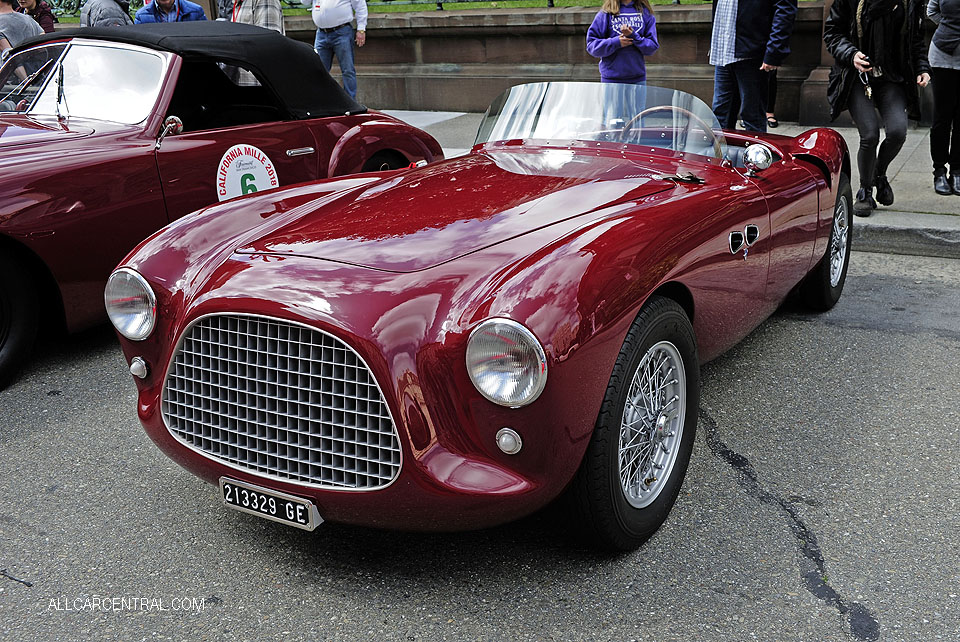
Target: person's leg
[(344, 50), (753, 94), (864, 116), (772, 99), (321, 44), (940, 129), (953, 105), (944, 111), (892, 104), (724, 90), (868, 125), (891, 100)]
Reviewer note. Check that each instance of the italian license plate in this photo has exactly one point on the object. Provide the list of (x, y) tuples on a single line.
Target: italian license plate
[(269, 504)]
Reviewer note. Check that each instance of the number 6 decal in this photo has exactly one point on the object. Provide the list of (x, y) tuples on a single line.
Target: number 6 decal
[(245, 169)]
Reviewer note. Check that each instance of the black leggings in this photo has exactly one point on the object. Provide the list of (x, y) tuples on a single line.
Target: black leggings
[(946, 114), (891, 101)]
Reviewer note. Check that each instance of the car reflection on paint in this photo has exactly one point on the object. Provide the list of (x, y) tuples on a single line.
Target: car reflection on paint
[(108, 134)]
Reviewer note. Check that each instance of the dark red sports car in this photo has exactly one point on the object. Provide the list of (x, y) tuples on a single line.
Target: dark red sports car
[(456, 345), (107, 135)]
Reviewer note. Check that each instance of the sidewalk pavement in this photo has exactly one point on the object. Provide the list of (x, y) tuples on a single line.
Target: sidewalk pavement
[(919, 222)]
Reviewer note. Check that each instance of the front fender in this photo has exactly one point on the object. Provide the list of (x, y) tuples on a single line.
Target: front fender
[(362, 141)]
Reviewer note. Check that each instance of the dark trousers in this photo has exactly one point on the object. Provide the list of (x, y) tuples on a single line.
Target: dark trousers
[(945, 148), (890, 100), (771, 91), (741, 82)]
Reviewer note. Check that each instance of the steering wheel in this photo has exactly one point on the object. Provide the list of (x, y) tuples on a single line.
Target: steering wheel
[(717, 149)]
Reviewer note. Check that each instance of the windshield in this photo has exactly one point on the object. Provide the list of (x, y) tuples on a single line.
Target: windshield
[(106, 82), (607, 112)]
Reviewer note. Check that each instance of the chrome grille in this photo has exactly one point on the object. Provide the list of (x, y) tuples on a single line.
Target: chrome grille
[(280, 399)]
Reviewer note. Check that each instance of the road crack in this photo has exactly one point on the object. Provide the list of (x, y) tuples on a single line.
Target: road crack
[(3, 573), (863, 624)]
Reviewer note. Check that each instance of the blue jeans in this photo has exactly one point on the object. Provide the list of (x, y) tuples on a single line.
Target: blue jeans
[(740, 88), (339, 43)]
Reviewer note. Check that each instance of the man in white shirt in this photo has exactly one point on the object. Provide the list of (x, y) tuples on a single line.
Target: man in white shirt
[(335, 35)]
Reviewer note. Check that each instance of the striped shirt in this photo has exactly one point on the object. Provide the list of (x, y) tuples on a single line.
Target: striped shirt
[(262, 13), (723, 38)]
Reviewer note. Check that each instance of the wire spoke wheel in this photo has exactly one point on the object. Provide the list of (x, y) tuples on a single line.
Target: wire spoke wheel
[(652, 425), (638, 455), (823, 285), (838, 243)]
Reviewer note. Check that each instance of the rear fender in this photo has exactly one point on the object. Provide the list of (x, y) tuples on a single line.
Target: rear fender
[(361, 142), (825, 151)]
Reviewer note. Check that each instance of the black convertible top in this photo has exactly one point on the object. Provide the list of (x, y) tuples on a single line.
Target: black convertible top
[(291, 69)]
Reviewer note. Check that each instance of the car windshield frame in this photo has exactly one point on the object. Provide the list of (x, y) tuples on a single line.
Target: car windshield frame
[(142, 96), (631, 115)]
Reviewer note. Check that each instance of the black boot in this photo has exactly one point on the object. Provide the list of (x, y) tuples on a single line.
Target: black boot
[(940, 183), (884, 191), (864, 203), (955, 183)]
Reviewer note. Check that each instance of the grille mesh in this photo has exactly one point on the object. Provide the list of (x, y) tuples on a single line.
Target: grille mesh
[(280, 399)]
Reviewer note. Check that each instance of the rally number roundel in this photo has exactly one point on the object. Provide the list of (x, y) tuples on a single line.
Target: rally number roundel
[(244, 169)]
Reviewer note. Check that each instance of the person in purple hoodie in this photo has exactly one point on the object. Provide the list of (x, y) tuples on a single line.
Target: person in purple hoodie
[(621, 36)]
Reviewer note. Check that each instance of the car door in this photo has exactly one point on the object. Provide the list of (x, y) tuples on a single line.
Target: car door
[(237, 139), (201, 168), (793, 200), (726, 226)]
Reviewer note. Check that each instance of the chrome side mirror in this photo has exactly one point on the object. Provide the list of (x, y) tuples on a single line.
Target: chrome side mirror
[(171, 125), (757, 158)]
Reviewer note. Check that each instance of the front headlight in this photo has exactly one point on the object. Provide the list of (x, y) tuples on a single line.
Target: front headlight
[(131, 304), (506, 362)]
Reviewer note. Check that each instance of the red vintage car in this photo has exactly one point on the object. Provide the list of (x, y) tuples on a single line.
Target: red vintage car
[(456, 345), (107, 135)]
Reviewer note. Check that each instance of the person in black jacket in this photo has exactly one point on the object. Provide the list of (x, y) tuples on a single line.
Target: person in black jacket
[(879, 64), (750, 39), (944, 58)]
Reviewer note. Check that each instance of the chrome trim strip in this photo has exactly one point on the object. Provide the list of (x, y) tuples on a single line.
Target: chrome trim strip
[(257, 473), (300, 151), (736, 241)]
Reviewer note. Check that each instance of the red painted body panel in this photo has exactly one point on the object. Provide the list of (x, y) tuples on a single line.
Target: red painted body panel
[(78, 195), (568, 240)]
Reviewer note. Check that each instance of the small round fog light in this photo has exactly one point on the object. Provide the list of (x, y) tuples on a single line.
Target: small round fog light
[(138, 367), (509, 441)]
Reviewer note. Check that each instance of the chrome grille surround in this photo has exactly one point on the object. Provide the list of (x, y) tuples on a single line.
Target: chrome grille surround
[(281, 400)]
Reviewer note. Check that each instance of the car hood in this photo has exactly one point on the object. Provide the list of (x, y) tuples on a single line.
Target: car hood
[(18, 129), (425, 217)]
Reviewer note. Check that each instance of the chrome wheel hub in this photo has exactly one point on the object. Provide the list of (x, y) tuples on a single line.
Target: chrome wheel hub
[(652, 424), (838, 244)]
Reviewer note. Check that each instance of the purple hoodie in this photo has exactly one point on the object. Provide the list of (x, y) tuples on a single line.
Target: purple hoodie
[(622, 64)]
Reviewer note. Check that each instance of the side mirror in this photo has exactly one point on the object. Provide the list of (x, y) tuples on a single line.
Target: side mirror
[(757, 158), (171, 125)]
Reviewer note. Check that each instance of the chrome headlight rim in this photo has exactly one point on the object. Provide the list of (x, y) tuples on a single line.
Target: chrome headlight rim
[(137, 278), (532, 341)]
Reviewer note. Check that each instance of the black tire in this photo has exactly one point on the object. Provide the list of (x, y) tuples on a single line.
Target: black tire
[(820, 291), (18, 316), (385, 160), (609, 518)]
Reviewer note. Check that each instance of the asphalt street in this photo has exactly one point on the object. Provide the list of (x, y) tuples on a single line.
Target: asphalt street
[(821, 504)]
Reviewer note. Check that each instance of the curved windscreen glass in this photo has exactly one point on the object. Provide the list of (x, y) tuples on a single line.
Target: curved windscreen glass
[(607, 112), (106, 82)]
